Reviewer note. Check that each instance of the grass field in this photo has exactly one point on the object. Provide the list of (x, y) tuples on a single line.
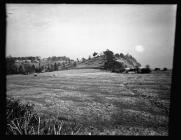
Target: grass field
[(102, 102)]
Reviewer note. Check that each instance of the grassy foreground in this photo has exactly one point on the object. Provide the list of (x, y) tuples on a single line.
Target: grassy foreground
[(96, 102), (22, 119)]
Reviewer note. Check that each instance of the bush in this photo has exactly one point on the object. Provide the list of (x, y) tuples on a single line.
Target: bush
[(23, 120), (165, 69), (145, 70), (118, 67), (157, 69), (17, 115)]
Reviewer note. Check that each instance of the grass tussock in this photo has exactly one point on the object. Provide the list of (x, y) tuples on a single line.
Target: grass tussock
[(23, 120)]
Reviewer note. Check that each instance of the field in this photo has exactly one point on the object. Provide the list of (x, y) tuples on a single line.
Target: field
[(102, 102)]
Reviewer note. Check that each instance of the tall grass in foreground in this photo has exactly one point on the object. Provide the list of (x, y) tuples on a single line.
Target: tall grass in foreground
[(23, 120)]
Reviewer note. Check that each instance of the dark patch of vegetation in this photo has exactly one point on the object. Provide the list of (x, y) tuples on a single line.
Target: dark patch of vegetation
[(145, 70), (118, 67), (95, 54), (23, 120), (107, 61), (157, 69), (111, 63), (165, 69), (28, 65), (110, 59)]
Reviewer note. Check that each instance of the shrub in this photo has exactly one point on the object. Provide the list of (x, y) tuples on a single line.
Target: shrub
[(165, 69), (145, 70), (23, 120), (157, 69)]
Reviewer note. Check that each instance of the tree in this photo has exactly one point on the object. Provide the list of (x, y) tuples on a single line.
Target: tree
[(147, 66), (121, 55), (165, 69), (52, 67), (94, 54), (74, 64), (33, 68), (28, 68), (22, 69), (146, 69), (117, 55), (49, 67), (110, 59), (53, 58), (89, 57), (118, 67), (40, 69), (63, 64), (55, 67), (157, 69)]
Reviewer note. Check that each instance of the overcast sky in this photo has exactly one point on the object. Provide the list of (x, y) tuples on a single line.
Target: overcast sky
[(76, 31)]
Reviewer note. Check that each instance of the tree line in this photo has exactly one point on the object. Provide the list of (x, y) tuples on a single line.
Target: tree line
[(53, 63), (28, 68), (14, 67)]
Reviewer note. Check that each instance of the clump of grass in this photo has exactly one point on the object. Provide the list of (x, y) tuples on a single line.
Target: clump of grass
[(23, 120)]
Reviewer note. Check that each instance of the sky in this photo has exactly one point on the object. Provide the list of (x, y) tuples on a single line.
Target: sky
[(147, 32)]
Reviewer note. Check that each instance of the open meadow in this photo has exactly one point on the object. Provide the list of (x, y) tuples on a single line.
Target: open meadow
[(102, 102)]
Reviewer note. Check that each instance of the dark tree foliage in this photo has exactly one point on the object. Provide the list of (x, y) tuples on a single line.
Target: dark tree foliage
[(33, 68), (94, 54), (42, 68), (165, 69), (28, 68), (21, 69), (74, 64), (118, 67), (145, 70), (55, 58), (50, 67), (157, 69), (121, 55), (10, 68), (13, 64), (110, 59), (117, 55), (55, 67)]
